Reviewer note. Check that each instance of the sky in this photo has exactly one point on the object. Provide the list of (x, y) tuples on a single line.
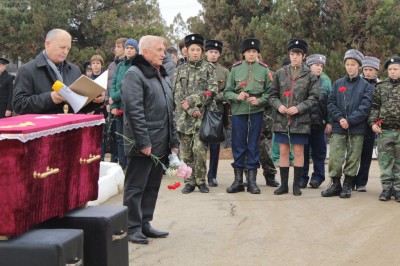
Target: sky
[(170, 8)]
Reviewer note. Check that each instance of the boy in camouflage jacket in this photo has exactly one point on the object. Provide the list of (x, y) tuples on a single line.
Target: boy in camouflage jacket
[(385, 121), (191, 80)]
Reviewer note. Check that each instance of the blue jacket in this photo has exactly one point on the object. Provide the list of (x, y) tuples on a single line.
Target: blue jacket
[(354, 104)]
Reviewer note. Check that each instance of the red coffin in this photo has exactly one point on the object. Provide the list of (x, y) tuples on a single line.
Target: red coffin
[(49, 165)]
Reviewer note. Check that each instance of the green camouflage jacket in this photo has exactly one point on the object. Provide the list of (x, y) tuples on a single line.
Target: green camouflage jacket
[(303, 93), (191, 80), (252, 78), (221, 73), (385, 104)]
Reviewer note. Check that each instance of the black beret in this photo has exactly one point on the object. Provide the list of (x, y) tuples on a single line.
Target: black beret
[(4, 61), (392, 60), (86, 65), (214, 45), (194, 39), (250, 43), (297, 43)]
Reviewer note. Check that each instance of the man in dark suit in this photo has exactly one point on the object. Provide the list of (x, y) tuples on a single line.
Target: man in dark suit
[(6, 89), (32, 91)]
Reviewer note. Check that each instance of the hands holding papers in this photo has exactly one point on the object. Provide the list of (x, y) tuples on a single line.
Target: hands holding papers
[(83, 91)]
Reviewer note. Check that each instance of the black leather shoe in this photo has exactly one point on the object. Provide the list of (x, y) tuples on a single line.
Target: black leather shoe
[(315, 184), (213, 182), (271, 181), (153, 233), (302, 184), (138, 238), (188, 189), (203, 188), (385, 195)]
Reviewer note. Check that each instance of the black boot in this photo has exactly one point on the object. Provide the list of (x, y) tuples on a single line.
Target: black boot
[(237, 185), (246, 174), (386, 194), (346, 191), (283, 189), (270, 180), (298, 171), (252, 185), (334, 189)]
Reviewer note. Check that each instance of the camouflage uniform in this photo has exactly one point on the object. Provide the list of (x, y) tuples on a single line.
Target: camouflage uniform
[(190, 82), (265, 144), (385, 106)]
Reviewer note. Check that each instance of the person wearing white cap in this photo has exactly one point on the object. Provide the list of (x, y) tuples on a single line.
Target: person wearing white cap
[(370, 70), (349, 104), (6, 89)]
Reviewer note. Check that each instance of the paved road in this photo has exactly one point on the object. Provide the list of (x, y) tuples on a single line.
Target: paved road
[(245, 229)]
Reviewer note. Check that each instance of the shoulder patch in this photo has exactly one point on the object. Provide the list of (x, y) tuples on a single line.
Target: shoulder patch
[(270, 75), (263, 64), (224, 66), (237, 63)]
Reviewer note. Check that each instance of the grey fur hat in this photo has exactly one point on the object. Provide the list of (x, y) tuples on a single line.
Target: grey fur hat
[(316, 59), (370, 61), (354, 54)]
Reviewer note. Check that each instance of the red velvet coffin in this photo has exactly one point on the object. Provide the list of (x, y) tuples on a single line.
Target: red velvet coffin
[(49, 164)]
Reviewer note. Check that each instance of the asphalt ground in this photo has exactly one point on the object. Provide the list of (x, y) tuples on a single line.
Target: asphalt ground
[(245, 229)]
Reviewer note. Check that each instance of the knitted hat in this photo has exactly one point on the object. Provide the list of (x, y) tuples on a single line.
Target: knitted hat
[(194, 39), (297, 43), (370, 61), (354, 54), (392, 60), (4, 61), (316, 59), (214, 45), (250, 43), (132, 42)]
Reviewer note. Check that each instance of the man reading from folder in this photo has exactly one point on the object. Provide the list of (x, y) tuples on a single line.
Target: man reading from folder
[(32, 91)]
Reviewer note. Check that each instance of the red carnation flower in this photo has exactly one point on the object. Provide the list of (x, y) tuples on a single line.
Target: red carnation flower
[(342, 89), (378, 122), (243, 84), (120, 112), (207, 93), (287, 93)]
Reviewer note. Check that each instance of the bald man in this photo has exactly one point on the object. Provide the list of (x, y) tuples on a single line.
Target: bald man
[(148, 120), (32, 91)]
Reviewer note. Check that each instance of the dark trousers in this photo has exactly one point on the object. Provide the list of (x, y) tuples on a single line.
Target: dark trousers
[(142, 183), (366, 158), (214, 158), (317, 144), (246, 132), (119, 123)]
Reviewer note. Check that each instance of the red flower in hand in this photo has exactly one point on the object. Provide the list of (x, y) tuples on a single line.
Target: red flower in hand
[(120, 112), (207, 93), (287, 93), (379, 122), (342, 89), (243, 84)]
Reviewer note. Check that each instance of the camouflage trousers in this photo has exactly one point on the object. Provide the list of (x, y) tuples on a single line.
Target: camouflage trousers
[(389, 158), (267, 164), (345, 149), (194, 153)]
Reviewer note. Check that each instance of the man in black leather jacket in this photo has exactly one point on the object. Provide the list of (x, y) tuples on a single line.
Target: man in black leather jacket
[(149, 130)]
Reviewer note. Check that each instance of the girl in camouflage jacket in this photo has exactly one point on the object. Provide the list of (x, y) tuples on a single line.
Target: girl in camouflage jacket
[(294, 91)]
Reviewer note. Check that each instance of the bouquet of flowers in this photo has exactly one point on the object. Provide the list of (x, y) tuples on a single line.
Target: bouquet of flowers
[(177, 170)]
